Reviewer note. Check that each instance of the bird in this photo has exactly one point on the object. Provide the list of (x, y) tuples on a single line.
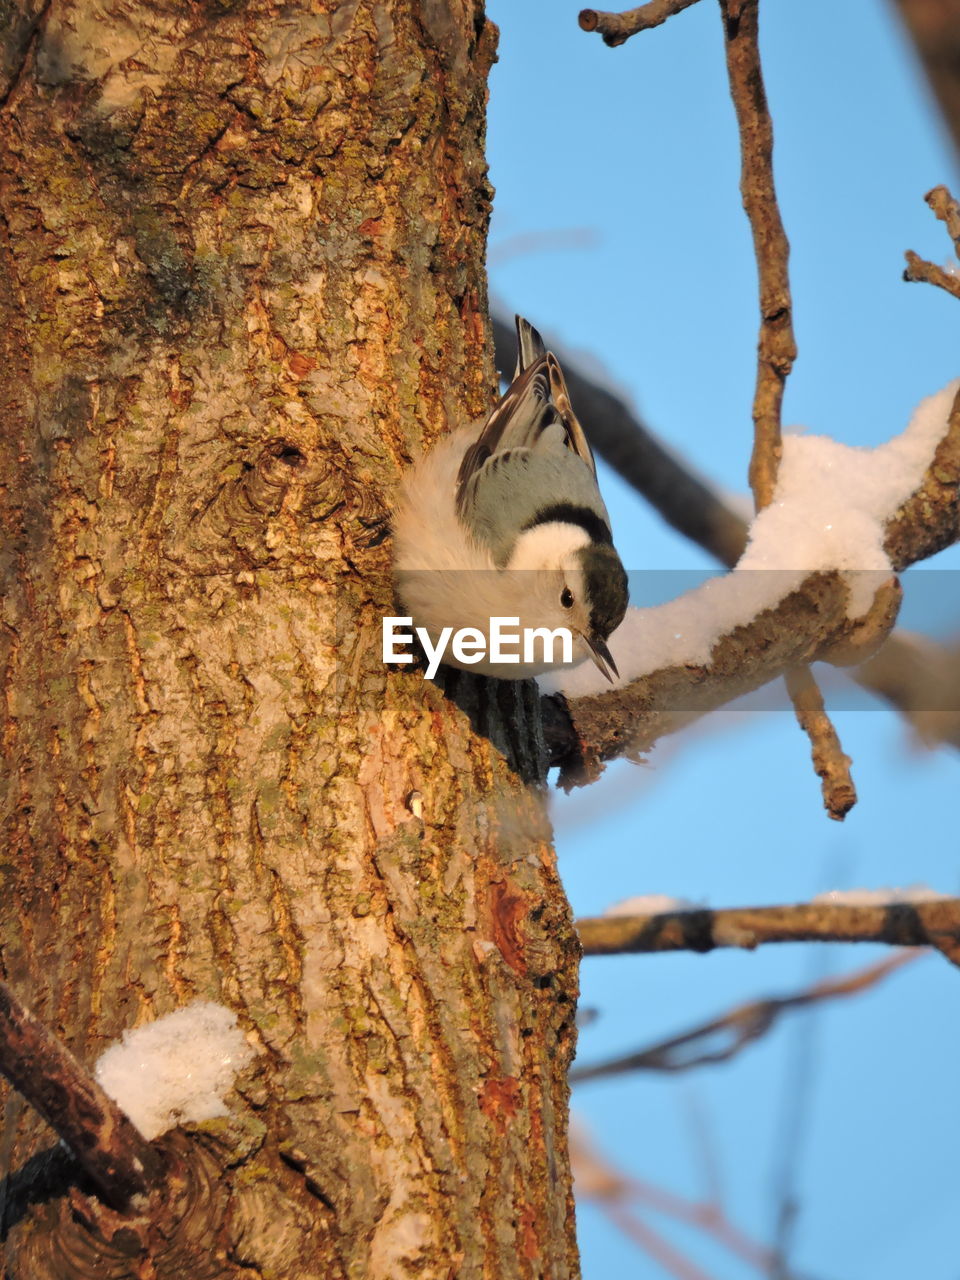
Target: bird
[(503, 519)]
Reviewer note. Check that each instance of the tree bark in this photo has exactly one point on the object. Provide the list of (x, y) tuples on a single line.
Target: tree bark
[(242, 283)]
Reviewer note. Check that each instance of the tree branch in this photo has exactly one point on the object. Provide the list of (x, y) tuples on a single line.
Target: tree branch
[(919, 271), (777, 348), (617, 28), (722, 1038), (901, 924), (948, 211), (922, 680), (830, 763), (116, 1157), (583, 732)]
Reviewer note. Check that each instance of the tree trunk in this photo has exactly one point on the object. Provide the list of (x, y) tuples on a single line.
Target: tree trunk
[(242, 283)]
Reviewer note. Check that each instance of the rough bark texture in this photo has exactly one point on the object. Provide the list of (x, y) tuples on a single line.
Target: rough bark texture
[(242, 282)]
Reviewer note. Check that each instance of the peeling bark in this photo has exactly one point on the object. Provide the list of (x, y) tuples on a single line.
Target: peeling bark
[(242, 283)]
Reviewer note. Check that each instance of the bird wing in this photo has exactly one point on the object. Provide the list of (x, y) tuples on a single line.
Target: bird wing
[(535, 401)]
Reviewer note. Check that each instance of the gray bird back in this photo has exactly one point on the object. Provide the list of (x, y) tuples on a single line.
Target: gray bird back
[(516, 489)]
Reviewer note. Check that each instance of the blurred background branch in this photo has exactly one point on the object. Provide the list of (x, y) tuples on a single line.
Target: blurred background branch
[(723, 1038)]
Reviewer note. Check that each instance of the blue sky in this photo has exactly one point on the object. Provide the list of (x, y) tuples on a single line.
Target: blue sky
[(636, 149)]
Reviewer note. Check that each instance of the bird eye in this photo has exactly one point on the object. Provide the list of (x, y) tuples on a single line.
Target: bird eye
[(566, 598)]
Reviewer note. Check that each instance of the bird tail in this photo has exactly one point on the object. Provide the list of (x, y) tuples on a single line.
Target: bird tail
[(530, 346)]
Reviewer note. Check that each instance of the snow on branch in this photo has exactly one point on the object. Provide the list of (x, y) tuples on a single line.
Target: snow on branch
[(815, 583), (918, 678), (116, 1157), (901, 919)]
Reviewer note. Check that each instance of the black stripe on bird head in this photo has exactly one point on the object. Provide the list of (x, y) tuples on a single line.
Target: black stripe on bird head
[(571, 513), (607, 587)]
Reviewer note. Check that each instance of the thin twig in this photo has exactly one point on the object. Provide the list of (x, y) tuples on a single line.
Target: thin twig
[(616, 28), (830, 763), (723, 1038), (117, 1158), (901, 924), (947, 210), (919, 271)]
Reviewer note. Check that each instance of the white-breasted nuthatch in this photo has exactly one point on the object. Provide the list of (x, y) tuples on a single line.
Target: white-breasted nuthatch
[(504, 519)]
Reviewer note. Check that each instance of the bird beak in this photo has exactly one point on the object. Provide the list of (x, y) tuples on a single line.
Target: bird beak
[(602, 656)]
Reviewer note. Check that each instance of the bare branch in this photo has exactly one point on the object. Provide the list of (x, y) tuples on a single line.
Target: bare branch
[(691, 506), (617, 28), (117, 1158), (723, 1038), (918, 270), (901, 924), (525, 243), (777, 348), (830, 762), (946, 209), (922, 680)]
